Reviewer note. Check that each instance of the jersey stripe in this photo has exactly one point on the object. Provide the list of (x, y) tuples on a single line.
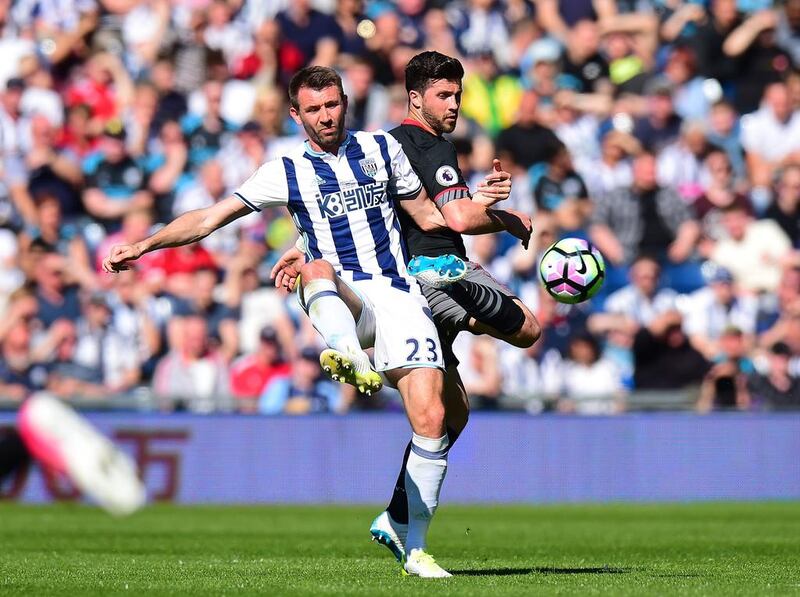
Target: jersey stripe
[(387, 161), (343, 241), (377, 225), (299, 210)]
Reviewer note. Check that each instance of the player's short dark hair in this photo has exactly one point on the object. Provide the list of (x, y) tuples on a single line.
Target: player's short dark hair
[(425, 68), (313, 77)]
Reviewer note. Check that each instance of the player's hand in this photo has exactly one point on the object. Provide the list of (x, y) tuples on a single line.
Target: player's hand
[(518, 224), (287, 269), (496, 186), (120, 257)]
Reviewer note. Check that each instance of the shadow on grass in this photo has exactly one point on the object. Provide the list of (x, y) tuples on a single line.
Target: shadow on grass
[(538, 570)]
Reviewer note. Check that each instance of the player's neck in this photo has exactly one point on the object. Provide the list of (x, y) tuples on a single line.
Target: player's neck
[(416, 119), (332, 148)]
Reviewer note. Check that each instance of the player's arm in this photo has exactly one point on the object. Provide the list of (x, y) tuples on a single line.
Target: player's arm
[(465, 216), (183, 230), (424, 212)]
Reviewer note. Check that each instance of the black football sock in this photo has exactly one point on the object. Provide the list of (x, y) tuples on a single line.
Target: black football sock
[(398, 506), (488, 305), (13, 453)]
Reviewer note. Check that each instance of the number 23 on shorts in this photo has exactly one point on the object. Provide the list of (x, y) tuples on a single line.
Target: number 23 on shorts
[(422, 351)]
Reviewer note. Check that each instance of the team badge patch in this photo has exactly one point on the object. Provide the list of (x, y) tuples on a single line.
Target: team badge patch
[(446, 176), (369, 167)]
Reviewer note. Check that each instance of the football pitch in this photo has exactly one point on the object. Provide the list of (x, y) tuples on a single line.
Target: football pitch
[(620, 549)]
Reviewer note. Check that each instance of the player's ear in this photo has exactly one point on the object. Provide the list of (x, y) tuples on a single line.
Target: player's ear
[(295, 115), (415, 99)]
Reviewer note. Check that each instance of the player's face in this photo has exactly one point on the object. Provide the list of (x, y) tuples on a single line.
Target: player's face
[(321, 113), (440, 104)]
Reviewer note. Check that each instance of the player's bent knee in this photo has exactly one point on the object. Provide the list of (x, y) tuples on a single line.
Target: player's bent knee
[(529, 333), (316, 269)]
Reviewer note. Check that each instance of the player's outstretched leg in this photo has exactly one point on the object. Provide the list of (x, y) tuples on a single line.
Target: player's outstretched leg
[(422, 392), (333, 308), (66, 443), (390, 527), (438, 272)]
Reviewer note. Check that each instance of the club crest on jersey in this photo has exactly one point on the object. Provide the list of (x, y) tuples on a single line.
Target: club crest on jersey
[(369, 167), (446, 176)]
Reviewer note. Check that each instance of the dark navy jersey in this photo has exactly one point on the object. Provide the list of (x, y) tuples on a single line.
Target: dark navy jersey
[(434, 160)]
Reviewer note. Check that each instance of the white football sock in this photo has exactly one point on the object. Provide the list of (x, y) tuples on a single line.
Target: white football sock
[(425, 471), (330, 316)]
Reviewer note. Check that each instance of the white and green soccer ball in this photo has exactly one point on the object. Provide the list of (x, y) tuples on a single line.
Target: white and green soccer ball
[(572, 270)]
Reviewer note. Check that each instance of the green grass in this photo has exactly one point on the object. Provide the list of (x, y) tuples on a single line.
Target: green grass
[(703, 549)]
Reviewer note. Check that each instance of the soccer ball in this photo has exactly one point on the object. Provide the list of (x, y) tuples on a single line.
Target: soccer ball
[(572, 270)]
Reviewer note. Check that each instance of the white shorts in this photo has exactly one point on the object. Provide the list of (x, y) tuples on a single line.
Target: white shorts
[(399, 325)]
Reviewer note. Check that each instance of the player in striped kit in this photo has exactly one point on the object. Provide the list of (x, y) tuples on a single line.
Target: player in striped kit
[(340, 188)]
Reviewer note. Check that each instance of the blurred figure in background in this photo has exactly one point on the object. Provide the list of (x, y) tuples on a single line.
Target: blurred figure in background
[(776, 389), (305, 391), (192, 376), (253, 372), (591, 384), (725, 385)]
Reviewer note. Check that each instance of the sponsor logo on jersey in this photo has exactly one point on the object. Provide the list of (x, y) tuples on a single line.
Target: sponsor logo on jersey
[(369, 167), (446, 176), (343, 202)]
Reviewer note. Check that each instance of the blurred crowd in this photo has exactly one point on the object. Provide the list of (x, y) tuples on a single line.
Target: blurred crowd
[(667, 132)]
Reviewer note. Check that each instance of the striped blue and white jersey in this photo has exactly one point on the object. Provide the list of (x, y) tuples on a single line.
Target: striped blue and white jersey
[(342, 204)]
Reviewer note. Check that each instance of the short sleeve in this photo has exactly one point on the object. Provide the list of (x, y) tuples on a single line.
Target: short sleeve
[(404, 182), (443, 177), (267, 187)]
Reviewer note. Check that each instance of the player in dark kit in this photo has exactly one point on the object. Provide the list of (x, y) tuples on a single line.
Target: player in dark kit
[(478, 303)]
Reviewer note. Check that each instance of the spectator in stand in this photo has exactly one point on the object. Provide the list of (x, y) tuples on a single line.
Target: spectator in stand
[(680, 164), (711, 310), (708, 42), (367, 101), (115, 183), (561, 190), (662, 346), (591, 384), (753, 250), (222, 321), (167, 168), (172, 104), (725, 385), (583, 59), (102, 349), (307, 37), (788, 29), (305, 391), (21, 369), (645, 218), (760, 61), (50, 170), (527, 141), (491, 98), (253, 372), (660, 126), (777, 312), (482, 377), (720, 193), (693, 95), (132, 304), (723, 132), (207, 132), (65, 239), (56, 296), (613, 170), (777, 389), (643, 299), (192, 376), (66, 377), (771, 138), (785, 207)]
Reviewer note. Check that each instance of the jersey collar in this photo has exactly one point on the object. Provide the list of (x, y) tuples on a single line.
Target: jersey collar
[(414, 122), (321, 154)]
